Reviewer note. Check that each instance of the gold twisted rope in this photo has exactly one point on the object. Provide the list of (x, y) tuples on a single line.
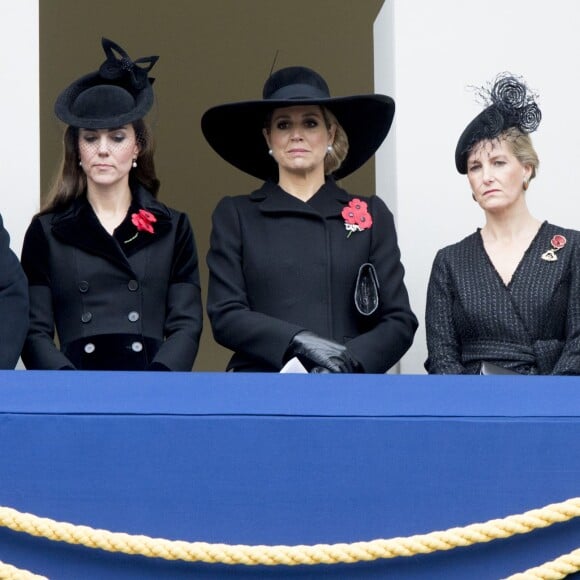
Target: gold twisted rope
[(290, 555), (554, 570), (9, 572)]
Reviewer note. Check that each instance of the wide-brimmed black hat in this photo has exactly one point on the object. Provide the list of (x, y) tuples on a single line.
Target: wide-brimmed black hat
[(119, 93), (512, 105), (234, 130)]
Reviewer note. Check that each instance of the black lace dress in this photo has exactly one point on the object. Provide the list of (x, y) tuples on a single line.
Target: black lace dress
[(531, 325)]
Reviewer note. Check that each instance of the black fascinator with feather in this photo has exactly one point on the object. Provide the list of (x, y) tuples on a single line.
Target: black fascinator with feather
[(119, 93), (510, 104)]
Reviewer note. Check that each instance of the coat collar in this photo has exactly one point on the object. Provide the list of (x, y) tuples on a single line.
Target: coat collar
[(126, 231), (328, 201), (79, 226)]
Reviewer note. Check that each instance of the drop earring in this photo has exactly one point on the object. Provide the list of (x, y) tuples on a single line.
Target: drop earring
[(134, 164), (526, 184)]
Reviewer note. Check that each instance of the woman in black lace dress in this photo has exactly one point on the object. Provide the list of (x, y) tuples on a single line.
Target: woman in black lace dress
[(508, 294)]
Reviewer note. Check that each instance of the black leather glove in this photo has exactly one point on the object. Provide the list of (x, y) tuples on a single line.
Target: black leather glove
[(315, 352)]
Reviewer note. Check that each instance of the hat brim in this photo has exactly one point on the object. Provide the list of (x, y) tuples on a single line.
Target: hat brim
[(234, 130), (486, 125), (63, 105)]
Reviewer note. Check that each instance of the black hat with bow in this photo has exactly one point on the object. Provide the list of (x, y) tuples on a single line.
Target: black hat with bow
[(510, 104), (234, 130), (120, 92)]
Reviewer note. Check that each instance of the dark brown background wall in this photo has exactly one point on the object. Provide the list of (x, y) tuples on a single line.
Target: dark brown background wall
[(211, 52)]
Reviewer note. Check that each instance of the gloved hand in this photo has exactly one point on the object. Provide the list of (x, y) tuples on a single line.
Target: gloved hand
[(315, 352)]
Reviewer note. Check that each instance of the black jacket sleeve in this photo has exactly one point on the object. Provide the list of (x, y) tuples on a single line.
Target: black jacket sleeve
[(235, 325), (443, 345), (184, 319), (13, 303), (40, 350), (569, 361)]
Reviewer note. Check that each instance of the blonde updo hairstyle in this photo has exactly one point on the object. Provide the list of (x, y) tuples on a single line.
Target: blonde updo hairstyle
[(337, 155), (522, 147)]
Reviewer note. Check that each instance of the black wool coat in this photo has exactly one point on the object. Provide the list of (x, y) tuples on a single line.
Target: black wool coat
[(120, 302), (13, 303), (279, 265)]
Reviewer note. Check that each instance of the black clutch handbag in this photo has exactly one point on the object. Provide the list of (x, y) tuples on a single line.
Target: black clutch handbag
[(488, 368), (366, 291)]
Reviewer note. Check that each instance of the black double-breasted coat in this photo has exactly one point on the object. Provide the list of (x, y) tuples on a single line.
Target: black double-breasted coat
[(531, 325), (121, 302), (279, 265), (13, 303)]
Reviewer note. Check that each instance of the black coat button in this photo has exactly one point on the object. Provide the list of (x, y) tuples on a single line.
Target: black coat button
[(86, 317), (133, 316), (83, 286), (133, 285)]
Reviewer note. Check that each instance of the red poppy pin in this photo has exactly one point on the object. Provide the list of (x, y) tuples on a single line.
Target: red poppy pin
[(557, 242), (356, 217), (143, 221)]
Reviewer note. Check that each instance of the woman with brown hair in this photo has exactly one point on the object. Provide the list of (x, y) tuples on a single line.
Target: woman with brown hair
[(111, 268)]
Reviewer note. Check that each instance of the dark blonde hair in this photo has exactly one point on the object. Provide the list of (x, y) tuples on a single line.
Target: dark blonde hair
[(71, 181), (522, 148), (337, 155)]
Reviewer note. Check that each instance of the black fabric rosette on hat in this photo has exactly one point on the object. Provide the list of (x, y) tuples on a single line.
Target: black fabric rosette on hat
[(120, 92), (510, 104), (234, 130)]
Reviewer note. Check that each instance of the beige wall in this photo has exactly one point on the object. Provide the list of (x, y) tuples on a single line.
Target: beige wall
[(211, 51)]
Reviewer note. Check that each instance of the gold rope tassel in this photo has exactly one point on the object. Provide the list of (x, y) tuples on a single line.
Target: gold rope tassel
[(289, 555), (9, 572)]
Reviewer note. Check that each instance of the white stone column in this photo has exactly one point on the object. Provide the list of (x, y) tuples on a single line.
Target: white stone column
[(19, 103)]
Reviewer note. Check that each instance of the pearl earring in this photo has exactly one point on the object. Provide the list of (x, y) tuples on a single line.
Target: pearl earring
[(80, 163), (134, 164), (270, 151), (329, 149)]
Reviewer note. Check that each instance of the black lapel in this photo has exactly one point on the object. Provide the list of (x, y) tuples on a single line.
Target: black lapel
[(328, 201), (127, 234), (78, 226)]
